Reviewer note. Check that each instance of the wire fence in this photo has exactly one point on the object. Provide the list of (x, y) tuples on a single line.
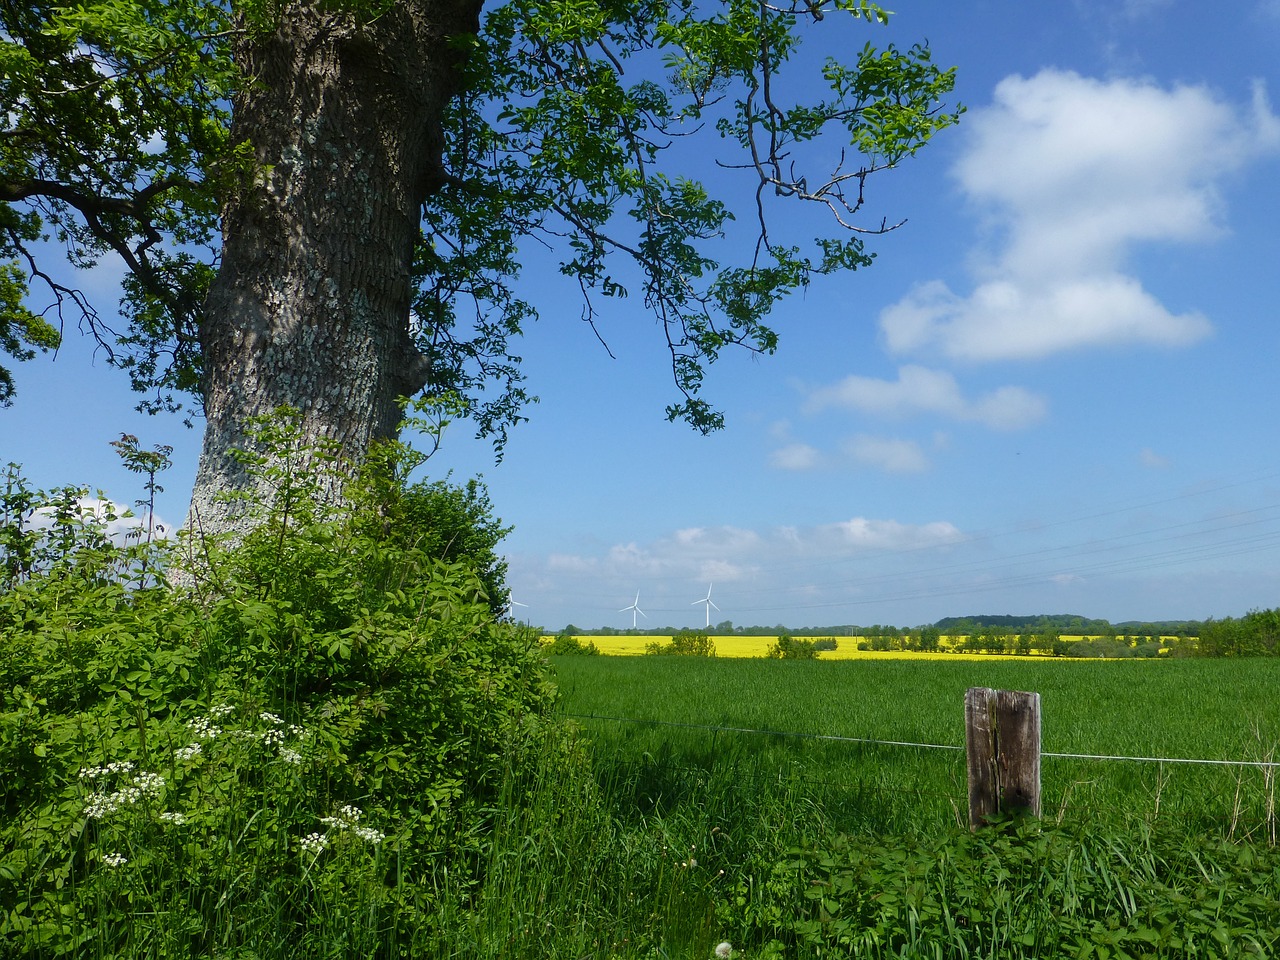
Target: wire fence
[(1239, 809), (1259, 764)]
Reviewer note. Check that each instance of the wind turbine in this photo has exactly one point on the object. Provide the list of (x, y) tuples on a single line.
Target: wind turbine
[(634, 608), (709, 602), (512, 603)]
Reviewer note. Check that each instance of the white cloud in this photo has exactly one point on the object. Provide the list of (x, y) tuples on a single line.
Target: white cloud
[(1070, 173), (888, 454), (1012, 320), (727, 554), (892, 535), (115, 521), (795, 456), (921, 390)]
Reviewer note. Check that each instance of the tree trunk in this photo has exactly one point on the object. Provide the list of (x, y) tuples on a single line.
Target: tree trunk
[(310, 307)]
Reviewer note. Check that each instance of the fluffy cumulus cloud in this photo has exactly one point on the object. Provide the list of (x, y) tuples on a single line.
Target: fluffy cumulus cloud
[(1071, 173), (921, 390)]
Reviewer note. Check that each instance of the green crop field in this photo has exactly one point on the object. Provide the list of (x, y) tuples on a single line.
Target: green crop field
[(693, 712)]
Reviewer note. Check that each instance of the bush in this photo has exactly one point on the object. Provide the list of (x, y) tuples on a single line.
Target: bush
[(566, 644), (307, 741), (686, 643), (788, 647)]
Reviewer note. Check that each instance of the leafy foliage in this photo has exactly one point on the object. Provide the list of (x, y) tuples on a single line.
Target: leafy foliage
[(686, 643), (1255, 634), (1018, 891), (327, 719), (566, 644), (788, 647), (566, 124)]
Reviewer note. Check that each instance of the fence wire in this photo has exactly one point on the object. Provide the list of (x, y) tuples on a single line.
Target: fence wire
[(1256, 764)]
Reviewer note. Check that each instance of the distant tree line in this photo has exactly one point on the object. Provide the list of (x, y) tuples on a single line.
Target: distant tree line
[(1062, 624), (1256, 634)]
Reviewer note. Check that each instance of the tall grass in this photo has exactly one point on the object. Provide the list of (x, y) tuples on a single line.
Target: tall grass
[(690, 712)]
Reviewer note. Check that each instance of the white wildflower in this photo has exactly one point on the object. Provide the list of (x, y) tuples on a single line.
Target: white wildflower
[(724, 949), (369, 835), (272, 738), (221, 710), (290, 756), (170, 816), (204, 728), (100, 805), (271, 718), (346, 817), (151, 784), (297, 731), (115, 860), (97, 773), (189, 752), (313, 843)]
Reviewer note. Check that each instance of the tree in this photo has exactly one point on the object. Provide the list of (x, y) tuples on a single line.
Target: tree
[(320, 205)]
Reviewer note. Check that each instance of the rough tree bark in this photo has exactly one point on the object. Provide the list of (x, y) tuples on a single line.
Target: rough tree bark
[(310, 307)]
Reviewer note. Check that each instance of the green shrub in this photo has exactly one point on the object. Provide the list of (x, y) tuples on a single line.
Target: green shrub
[(296, 749), (686, 643), (788, 647), (566, 644)]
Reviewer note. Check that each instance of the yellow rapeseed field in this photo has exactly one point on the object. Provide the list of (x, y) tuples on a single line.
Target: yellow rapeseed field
[(735, 646)]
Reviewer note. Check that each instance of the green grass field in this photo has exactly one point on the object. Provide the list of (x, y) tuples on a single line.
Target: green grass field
[(1186, 709)]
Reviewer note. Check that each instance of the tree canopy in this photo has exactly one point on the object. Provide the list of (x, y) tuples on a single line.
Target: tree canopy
[(134, 129)]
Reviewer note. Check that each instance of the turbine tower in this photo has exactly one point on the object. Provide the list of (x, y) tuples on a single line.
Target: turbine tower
[(709, 602), (634, 608), (512, 603)]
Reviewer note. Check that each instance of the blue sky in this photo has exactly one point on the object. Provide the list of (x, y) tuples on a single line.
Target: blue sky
[(1054, 391)]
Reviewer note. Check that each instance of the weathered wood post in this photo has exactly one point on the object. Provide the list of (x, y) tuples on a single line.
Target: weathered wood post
[(1002, 744)]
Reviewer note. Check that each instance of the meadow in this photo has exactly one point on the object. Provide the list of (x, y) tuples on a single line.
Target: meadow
[(1174, 709)]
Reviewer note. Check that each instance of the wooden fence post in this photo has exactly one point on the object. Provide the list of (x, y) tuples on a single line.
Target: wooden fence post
[(1002, 744)]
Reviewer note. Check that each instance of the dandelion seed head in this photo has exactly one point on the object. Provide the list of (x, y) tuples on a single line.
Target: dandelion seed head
[(724, 949)]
